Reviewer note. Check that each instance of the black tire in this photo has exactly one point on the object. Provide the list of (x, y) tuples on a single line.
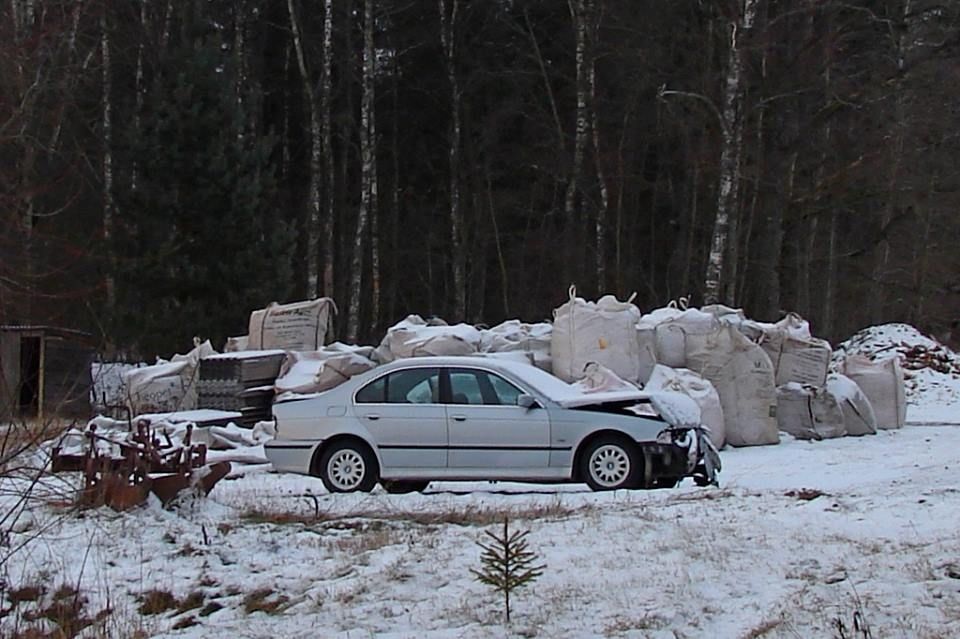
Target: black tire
[(348, 466), (666, 482), (611, 463), (402, 487)]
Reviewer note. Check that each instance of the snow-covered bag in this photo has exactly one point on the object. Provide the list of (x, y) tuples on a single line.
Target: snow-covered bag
[(883, 383), (603, 331), (808, 412), (166, 386), (858, 414), (415, 337), (797, 356), (298, 326), (743, 377), (316, 371), (511, 336), (108, 389), (597, 378), (700, 390)]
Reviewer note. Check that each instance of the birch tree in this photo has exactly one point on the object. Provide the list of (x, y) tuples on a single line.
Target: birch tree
[(313, 223), (716, 290), (368, 176)]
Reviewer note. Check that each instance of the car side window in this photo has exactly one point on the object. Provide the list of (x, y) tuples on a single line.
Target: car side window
[(414, 386), (465, 388), (506, 392), (468, 386), (373, 393)]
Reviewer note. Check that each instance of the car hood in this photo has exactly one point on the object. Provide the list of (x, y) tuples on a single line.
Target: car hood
[(605, 397), (676, 409)]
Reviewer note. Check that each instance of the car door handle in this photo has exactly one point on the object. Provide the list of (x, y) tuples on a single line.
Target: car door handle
[(372, 416), (458, 418)]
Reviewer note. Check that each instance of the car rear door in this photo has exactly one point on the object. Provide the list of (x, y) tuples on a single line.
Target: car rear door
[(403, 413), (489, 434)]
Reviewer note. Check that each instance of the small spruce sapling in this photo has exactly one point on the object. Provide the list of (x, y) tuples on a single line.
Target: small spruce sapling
[(507, 562)]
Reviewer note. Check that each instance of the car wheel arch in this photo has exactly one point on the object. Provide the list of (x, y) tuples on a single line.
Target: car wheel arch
[(583, 444), (327, 443)]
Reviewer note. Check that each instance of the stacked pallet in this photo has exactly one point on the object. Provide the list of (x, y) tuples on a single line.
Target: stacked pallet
[(241, 381)]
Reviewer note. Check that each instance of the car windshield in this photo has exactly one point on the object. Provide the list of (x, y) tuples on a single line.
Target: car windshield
[(542, 381)]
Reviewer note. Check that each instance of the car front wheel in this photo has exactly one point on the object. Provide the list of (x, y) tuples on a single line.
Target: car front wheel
[(610, 463), (348, 466)]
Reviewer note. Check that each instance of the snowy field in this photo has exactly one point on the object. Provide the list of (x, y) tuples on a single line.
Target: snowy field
[(797, 536)]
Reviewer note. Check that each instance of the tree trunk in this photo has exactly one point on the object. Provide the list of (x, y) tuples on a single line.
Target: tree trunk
[(448, 25), (601, 217), (572, 214), (368, 172), (312, 230), (715, 289), (326, 100), (106, 113)]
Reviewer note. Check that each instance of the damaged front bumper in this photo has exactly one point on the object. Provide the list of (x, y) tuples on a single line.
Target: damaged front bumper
[(700, 458)]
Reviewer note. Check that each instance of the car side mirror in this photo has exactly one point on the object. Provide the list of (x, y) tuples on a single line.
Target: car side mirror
[(527, 401)]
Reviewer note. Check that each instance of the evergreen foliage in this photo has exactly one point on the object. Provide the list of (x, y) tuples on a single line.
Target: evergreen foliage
[(198, 245), (508, 563)]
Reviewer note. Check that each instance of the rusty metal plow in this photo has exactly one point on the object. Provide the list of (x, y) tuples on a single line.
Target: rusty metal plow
[(120, 474)]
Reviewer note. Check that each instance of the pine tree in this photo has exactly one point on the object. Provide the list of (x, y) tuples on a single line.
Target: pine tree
[(508, 564), (198, 246)]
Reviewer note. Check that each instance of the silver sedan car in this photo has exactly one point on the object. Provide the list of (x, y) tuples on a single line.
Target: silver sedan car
[(474, 418)]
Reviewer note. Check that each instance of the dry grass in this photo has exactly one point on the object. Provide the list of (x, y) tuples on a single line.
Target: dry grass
[(154, 602), (264, 600), (762, 629), (466, 515)]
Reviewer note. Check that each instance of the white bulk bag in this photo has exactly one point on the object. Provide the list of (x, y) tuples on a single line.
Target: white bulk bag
[(299, 326), (672, 335), (602, 332), (807, 412), (166, 386), (796, 355), (597, 378), (700, 390), (882, 383), (858, 413), (316, 371), (743, 376), (516, 336), (415, 337)]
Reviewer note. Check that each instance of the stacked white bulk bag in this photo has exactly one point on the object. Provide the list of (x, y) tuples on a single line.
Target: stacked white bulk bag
[(796, 355), (597, 378), (166, 386), (744, 378), (415, 337), (514, 336), (316, 371), (603, 331), (858, 414), (299, 326), (809, 412), (700, 390), (882, 382)]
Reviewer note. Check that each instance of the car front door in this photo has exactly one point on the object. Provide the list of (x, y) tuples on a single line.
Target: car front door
[(489, 433), (403, 413)]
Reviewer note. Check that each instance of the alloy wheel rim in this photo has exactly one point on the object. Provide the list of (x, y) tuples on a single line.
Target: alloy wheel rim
[(609, 465), (346, 469)]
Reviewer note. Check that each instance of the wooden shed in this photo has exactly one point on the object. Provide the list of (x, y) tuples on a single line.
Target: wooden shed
[(44, 371)]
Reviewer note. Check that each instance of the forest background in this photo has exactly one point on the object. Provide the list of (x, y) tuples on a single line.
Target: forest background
[(168, 166)]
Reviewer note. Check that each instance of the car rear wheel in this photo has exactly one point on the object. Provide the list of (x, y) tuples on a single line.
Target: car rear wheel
[(398, 487), (610, 463), (348, 466)]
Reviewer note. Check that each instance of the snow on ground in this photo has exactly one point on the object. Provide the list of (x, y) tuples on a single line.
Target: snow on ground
[(269, 555), (931, 370)]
